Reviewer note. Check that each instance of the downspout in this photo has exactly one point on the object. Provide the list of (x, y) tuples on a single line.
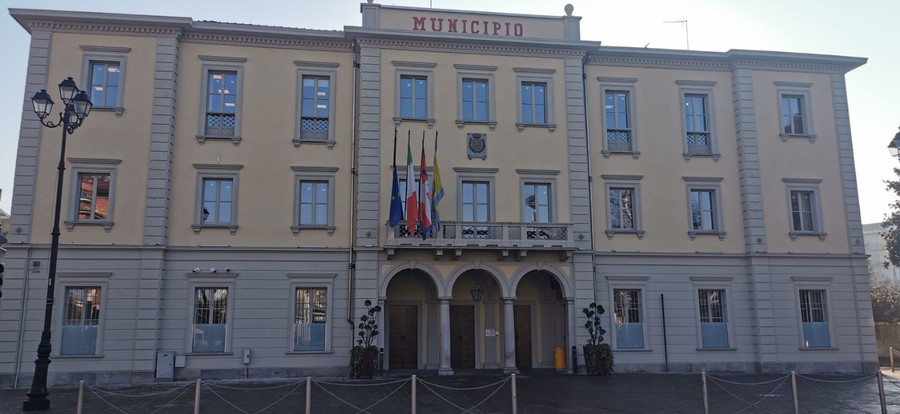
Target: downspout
[(351, 259), (587, 138), (22, 316)]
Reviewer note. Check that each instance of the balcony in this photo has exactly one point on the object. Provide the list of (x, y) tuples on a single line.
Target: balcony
[(508, 239)]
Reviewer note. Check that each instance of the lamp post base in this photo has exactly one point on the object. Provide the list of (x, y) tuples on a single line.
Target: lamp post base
[(36, 402)]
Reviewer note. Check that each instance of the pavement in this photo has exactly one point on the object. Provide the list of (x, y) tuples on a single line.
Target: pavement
[(536, 392)]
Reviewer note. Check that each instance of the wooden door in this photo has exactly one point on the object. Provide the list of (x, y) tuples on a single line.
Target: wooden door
[(522, 320), (403, 342), (462, 336)]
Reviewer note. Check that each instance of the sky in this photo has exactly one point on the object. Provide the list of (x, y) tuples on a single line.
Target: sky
[(860, 28)]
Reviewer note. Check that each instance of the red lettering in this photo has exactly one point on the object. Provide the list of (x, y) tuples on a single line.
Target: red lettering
[(439, 27), (418, 23), (507, 28), (485, 27), (474, 29), (517, 29), (496, 28), (464, 25), (451, 25)]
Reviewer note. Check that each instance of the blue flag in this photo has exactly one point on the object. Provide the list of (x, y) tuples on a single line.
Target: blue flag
[(396, 215)]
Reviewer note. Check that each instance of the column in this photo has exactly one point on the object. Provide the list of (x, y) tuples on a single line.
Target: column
[(509, 337), (570, 334), (445, 369)]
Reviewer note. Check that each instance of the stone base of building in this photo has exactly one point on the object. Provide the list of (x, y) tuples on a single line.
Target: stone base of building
[(821, 367)]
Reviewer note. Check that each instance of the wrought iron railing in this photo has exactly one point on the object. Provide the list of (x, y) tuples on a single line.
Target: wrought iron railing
[(698, 143), (220, 124), (314, 128), (618, 140), (475, 234)]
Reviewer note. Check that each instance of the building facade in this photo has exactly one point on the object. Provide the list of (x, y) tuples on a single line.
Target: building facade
[(229, 193), (881, 271)]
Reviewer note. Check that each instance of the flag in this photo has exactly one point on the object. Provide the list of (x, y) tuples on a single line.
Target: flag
[(438, 191), (412, 199), (424, 196), (396, 215)]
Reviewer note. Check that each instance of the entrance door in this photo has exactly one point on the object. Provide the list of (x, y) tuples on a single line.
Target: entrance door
[(403, 343), (462, 336), (522, 319)]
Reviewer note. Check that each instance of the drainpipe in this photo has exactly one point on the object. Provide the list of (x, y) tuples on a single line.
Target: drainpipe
[(351, 259), (22, 315), (587, 139)]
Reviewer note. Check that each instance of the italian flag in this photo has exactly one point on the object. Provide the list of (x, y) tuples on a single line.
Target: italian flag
[(412, 195)]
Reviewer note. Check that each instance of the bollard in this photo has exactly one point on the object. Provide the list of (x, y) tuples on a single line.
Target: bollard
[(80, 397), (197, 398), (794, 391), (574, 359), (381, 362), (308, 395), (515, 403), (881, 392), (413, 382), (891, 352), (705, 397)]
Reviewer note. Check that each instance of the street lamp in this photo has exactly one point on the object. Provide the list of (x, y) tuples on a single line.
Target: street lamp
[(894, 146), (77, 107)]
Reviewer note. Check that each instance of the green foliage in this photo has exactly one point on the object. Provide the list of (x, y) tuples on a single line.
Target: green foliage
[(599, 359), (886, 303), (595, 331), (891, 224)]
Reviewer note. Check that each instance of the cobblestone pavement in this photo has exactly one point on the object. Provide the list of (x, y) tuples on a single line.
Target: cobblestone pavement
[(537, 392)]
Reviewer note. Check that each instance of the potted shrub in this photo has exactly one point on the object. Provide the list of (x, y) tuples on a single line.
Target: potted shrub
[(364, 356), (598, 357)]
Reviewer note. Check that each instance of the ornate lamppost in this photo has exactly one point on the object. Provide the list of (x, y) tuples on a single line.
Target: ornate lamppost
[(77, 107), (894, 146)]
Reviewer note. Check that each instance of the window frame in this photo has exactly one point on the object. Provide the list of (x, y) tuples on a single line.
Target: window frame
[(722, 283), (476, 72), (414, 69), (706, 88), (318, 174), (624, 181), (810, 185), (533, 176), (628, 86), (98, 166), (476, 174), (105, 54), (316, 70), (631, 283), (216, 171), (311, 280), (822, 283), (802, 90), (80, 279), (535, 76), (705, 184), (221, 64), (210, 280)]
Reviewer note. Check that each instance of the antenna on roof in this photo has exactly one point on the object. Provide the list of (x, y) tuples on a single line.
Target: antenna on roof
[(684, 23)]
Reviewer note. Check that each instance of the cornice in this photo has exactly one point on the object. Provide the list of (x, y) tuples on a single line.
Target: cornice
[(727, 61), (266, 41), (487, 48), (659, 62), (105, 28)]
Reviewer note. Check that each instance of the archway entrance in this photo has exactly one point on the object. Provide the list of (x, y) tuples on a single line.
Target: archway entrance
[(539, 318), (475, 321), (410, 319)]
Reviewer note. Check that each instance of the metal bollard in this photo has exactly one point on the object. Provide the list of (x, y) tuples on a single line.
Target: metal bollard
[(381, 362), (881, 392), (794, 391), (197, 398), (308, 395), (891, 352), (705, 397), (574, 359), (413, 383), (80, 397), (515, 402)]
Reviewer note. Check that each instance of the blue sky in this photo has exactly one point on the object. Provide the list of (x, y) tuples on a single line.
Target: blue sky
[(862, 28)]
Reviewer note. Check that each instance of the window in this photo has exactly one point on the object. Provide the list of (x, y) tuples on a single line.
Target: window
[(310, 319), (217, 196), (476, 95), (699, 126), (794, 110), (536, 107), (619, 124), (210, 321), (713, 322), (814, 317), (221, 114), (534, 102), (537, 202), (628, 318), (314, 198), (315, 122), (704, 206), (103, 71), (413, 92), (81, 321), (475, 201), (623, 205), (93, 184), (803, 202)]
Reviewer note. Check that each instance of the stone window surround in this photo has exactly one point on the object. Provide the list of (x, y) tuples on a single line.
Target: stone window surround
[(538, 177), (720, 283), (628, 282), (226, 64), (805, 184), (312, 280), (418, 69), (624, 181), (318, 69), (814, 283), (699, 87), (225, 171), (801, 89), (210, 280), (479, 72), (627, 85), (105, 54), (476, 174), (306, 173), (88, 166), (536, 75), (76, 279), (711, 184)]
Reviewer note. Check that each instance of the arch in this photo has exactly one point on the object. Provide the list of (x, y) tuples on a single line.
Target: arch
[(557, 274), (412, 265), (497, 274)]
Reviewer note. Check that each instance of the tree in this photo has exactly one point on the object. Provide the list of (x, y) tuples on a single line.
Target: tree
[(886, 303), (891, 223)]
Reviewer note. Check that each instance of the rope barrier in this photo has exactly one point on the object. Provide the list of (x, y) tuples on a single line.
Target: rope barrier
[(155, 394), (829, 397), (363, 410), (97, 391), (464, 410), (753, 404), (259, 410), (254, 388), (836, 381), (464, 388), (745, 383), (107, 402), (344, 384), (186, 389)]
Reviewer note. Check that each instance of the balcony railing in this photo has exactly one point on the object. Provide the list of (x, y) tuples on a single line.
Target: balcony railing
[(485, 235), (698, 143), (220, 124)]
